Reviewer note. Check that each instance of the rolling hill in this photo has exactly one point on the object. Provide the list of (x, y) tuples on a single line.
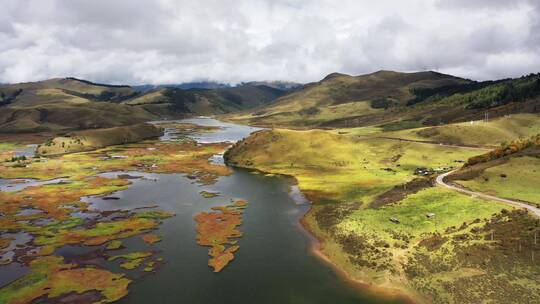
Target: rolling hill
[(66, 104), (63, 104), (396, 100), (173, 101), (482, 133)]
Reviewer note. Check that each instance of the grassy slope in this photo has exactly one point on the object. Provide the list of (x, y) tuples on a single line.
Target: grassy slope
[(496, 131), (426, 257), (511, 179), (204, 101), (316, 103), (63, 90), (340, 167), (61, 116), (397, 101), (93, 139), (66, 104), (510, 170)]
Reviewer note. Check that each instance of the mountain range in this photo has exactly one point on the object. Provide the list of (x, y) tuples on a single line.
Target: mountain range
[(392, 100), (73, 104), (396, 100)]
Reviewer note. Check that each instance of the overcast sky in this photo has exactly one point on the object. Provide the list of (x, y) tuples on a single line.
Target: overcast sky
[(171, 41)]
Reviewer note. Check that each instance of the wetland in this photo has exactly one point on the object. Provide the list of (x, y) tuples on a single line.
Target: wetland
[(135, 218)]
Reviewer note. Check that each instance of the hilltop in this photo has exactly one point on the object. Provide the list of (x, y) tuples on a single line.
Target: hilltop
[(396, 100), (65, 103)]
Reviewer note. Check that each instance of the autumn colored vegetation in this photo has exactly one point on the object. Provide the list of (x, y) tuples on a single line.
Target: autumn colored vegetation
[(54, 216), (218, 230), (505, 150)]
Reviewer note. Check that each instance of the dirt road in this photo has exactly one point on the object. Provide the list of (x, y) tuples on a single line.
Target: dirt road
[(440, 181)]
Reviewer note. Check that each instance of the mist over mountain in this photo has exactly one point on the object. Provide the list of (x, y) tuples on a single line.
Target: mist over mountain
[(185, 86)]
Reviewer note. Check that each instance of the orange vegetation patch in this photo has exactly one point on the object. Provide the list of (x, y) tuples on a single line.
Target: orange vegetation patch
[(49, 198), (158, 157), (187, 157), (151, 238), (240, 203), (217, 230), (5, 242), (132, 260), (5, 155), (50, 277), (101, 233)]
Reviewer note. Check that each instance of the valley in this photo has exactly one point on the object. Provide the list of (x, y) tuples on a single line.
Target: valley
[(128, 216), (269, 152), (381, 188), (71, 104)]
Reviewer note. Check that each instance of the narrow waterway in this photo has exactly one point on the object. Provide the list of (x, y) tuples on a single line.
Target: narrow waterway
[(274, 263)]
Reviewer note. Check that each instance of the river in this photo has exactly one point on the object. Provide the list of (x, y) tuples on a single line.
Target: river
[(274, 263)]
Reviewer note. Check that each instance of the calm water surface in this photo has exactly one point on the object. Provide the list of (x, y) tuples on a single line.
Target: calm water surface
[(274, 263)]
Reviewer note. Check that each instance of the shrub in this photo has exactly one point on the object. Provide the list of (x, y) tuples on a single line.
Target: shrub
[(505, 150)]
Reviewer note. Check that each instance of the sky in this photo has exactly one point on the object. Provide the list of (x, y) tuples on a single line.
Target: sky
[(172, 41)]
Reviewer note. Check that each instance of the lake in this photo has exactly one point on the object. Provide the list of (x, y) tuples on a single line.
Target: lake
[(274, 263)]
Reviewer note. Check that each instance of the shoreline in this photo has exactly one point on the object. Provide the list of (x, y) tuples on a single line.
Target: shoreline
[(317, 245), (316, 249)]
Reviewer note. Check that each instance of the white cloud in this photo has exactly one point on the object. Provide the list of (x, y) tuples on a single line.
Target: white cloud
[(166, 41)]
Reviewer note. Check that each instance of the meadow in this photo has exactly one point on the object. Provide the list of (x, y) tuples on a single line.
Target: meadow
[(380, 218)]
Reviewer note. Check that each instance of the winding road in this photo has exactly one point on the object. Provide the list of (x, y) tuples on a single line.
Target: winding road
[(440, 182), (440, 179)]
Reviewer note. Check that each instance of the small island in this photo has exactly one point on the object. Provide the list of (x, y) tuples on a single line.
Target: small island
[(218, 229)]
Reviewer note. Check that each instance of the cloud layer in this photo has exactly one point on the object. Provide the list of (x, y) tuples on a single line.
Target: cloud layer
[(168, 41)]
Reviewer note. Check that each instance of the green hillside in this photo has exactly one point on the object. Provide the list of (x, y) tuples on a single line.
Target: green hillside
[(63, 104), (89, 140), (340, 96), (176, 101), (511, 171), (396, 101), (61, 90), (483, 133), (66, 104)]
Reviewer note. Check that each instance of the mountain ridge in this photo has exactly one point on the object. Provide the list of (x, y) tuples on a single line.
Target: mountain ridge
[(389, 97), (63, 104)]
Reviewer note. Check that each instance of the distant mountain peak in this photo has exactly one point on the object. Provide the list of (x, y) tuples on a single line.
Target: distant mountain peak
[(276, 84), (385, 72), (335, 75), (93, 83)]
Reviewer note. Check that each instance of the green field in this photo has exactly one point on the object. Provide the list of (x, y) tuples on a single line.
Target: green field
[(492, 133), (514, 179), (383, 224), (337, 168), (449, 209)]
